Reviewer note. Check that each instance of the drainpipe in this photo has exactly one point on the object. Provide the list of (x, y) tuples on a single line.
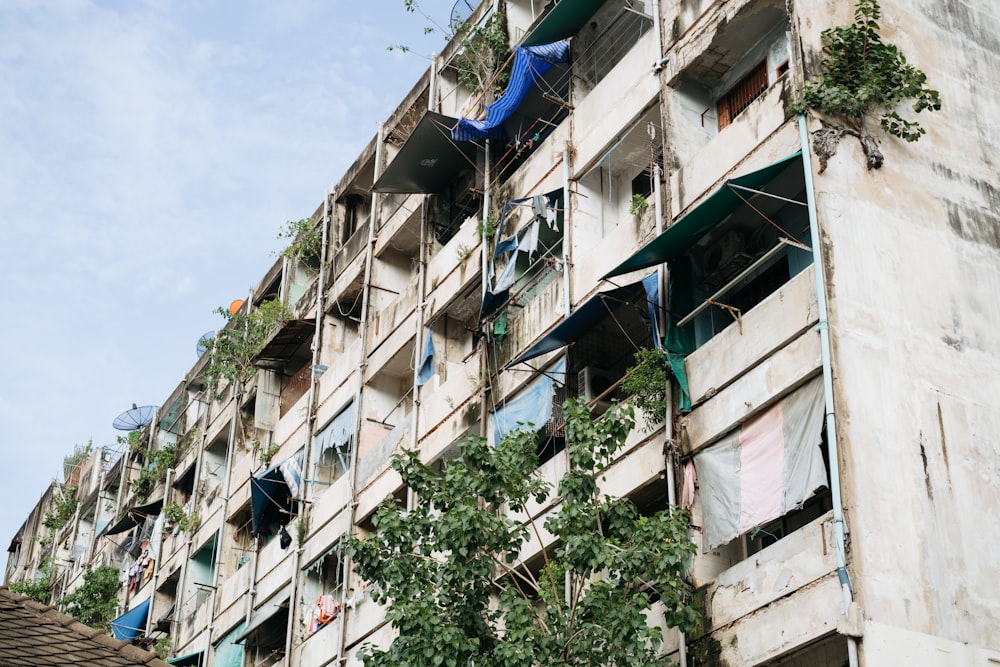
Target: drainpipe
[(227, 489), (659, 37), (195, 497), (362, 370), (484, 241), (419, 341), (566, 230), (671, 455), (311, 409), (831, 422), (432, 92), (157, 557)]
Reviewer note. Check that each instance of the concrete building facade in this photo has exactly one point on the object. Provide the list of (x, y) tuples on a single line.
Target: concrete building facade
[(463, 270)]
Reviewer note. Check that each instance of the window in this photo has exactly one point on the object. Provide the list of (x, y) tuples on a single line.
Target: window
[(333, 446), (769, 476), (744, 253), (323, 593), (452, 206), (355, 214), (537, 407), (739, 97)]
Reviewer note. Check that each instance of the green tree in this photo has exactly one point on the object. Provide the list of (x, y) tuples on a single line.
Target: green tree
[(449, 571), (863, 77), (40, 589), (96, 600)]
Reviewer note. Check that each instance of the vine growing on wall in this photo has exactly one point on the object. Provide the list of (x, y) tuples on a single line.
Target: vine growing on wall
[(863, 79), (39, 589)]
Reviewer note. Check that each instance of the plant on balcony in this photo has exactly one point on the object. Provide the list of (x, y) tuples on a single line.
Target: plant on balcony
[(645, 384), (64, 505), (305, 240), (266, 452), (638, 205), (863, 77), (176, 515), (95, 602), (482, 52), (155, 469), (449, 567), (80, 454), (235, 347)]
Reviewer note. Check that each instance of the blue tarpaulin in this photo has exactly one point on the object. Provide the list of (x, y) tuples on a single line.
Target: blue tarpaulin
[(272, 494), (533, 407), (132, 623), (530, 64), (426, 371)]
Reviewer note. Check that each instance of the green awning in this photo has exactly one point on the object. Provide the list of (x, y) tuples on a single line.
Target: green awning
[(684, 233), (562, 22), (429, 159), (189, 660)]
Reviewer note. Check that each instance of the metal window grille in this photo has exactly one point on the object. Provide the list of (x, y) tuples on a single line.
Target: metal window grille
[(739, 97)]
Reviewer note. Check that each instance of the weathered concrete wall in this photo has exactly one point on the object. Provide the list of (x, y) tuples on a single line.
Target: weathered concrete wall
[(913, 270)]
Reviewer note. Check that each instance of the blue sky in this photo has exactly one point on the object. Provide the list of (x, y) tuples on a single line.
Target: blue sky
[(150, 151)]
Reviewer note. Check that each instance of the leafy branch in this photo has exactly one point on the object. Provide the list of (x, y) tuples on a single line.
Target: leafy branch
[(863, 77), (64, 506), (155, 469), (305, 240), (96, 600), (482, 53), (235, 347), (645, 384), (176, 515)]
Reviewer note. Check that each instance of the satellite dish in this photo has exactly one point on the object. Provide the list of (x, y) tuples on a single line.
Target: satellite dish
[(461, 11), (235, 306), (204, 341), (136, 418)]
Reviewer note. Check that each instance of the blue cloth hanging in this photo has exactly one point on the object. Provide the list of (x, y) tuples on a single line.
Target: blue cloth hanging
[(426, 370)]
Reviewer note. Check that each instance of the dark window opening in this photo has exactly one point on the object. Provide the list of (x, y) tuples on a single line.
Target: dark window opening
[(355, 214), (743, 259), (739, 97), (643, 184), (460, 200)]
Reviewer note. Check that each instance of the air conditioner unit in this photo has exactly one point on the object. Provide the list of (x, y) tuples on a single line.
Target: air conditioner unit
[(724, 251), (592, 382)]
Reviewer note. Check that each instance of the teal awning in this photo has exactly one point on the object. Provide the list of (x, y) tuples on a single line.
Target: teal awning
[(684, 233), (563, 21), (189, 660)]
